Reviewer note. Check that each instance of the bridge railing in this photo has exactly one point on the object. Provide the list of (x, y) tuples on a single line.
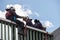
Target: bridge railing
[(9, 31), (37, 34)]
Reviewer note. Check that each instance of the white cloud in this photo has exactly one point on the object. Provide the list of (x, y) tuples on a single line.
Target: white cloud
[(48, 24), (37, 14), (2, 14), (20, 10), (8, 6)]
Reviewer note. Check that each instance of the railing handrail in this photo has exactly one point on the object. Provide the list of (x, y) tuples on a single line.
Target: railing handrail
[(33, 28), (6, 20)]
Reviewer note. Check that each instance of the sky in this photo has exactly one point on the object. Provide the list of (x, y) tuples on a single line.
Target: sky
[(47, 11)]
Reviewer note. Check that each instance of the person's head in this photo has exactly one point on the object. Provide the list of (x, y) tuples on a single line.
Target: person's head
[(7, 9), (35, 20), (12, 8)]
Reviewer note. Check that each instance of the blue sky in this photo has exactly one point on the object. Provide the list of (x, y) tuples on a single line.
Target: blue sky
[(47, 10)]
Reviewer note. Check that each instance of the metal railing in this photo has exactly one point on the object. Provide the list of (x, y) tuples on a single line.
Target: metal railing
[(37, 34), (9, 31)]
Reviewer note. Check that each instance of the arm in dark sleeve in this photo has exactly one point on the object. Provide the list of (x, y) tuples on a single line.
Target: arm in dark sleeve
[(17, 15)]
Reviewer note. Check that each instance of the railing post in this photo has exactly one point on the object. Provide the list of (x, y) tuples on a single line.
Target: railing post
[(1, 30), (13, 32)]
